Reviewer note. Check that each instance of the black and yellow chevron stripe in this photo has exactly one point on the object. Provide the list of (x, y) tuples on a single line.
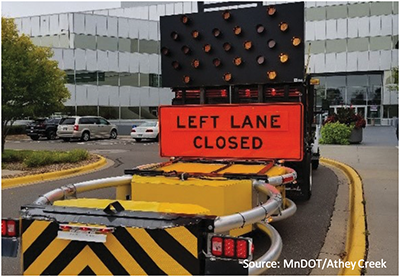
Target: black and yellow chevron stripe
[(127, 251)]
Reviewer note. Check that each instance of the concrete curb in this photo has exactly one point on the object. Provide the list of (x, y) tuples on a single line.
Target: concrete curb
[(356, 228), (14, 182)]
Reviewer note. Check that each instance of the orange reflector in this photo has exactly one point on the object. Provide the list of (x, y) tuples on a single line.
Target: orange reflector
[(283, 26), (271, 75), (296, 41), (283, 57)]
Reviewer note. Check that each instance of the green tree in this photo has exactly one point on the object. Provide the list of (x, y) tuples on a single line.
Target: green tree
[(32, 84)]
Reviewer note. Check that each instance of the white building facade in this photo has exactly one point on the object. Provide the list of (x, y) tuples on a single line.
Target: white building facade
[(112, 57)]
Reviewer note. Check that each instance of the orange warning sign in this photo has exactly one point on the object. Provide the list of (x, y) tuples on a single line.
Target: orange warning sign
[(255, 131)]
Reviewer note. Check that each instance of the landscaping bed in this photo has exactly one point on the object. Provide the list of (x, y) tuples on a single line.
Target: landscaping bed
[(37, 162)]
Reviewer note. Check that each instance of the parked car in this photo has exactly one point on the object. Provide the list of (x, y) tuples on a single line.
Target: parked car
[(86, 128), (147, 130), (43, 127)]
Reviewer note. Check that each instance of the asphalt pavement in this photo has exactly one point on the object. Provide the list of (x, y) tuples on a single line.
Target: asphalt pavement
[(376, 161)]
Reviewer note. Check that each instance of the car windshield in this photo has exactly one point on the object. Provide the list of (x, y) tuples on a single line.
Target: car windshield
[(68, 121), (149, 124)]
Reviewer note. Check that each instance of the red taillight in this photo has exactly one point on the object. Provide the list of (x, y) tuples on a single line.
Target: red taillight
[(247, 93), (273, 92), (11, 228), (149, 131), (85, 229), (216, 246), (76, 127), (224, 93), (65, 227), (242, 249), (3, 227), (229, 248), (133, 131)]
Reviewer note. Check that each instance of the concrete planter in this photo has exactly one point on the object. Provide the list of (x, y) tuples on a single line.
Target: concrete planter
[(356, 136)]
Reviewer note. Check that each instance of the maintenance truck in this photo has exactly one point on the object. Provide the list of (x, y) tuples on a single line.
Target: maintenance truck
[(238, 136)]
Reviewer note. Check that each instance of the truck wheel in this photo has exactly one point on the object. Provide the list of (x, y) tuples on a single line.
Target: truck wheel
[(34, 137), (51, 135), (306, 182), (85, 136), (315, 164)]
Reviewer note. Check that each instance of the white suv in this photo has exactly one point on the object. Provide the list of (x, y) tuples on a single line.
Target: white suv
[(85, 128)]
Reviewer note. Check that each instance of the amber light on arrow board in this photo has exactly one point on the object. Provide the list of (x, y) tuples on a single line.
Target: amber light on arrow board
[(174, 35), (296, 41), (271, 75), (226, 15), (260, 60), (227, 47), (186, 79), (217, 62), (283, 57), (247, 45), (195, 63), (185, 19), (195, 34), (237, 61), (176, 65), (237, 30), (227, 77), (283, 26), (207, 48), (185, 49), (271, 43), (216, 32), (260, 28), (271, 10), (165, 51)]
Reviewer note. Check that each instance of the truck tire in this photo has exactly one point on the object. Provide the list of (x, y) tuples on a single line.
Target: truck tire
[(305, 180), (315, 164)]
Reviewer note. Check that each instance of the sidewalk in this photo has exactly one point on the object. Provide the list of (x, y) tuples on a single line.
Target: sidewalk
[(376, 160)]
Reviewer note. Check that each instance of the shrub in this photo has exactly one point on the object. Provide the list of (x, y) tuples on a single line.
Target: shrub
[(15, 156), (347, 116), (42, 158), (335, 133), (17, 130)]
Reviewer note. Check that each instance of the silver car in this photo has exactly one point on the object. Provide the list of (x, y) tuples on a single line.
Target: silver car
[(86, 128)]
